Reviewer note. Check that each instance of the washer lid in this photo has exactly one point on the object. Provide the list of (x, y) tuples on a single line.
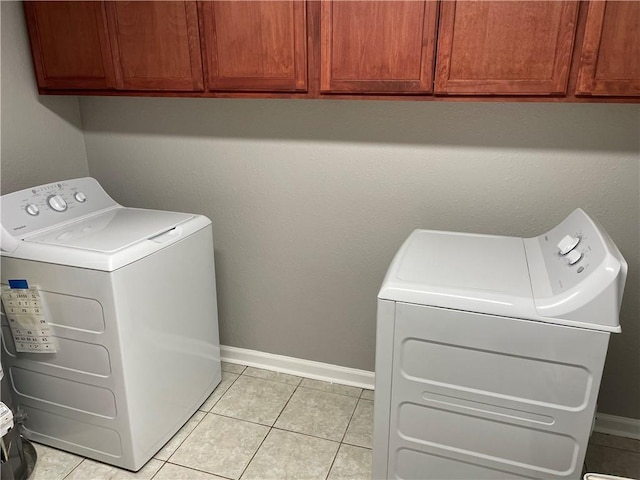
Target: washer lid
[(109, 240), (112, 230), (472, 272)]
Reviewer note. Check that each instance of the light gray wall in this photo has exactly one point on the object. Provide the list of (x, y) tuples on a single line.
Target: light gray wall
[(41, 137), (311, 199)]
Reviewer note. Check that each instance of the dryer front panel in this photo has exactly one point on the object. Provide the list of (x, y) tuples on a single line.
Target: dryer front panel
[(483, 395)]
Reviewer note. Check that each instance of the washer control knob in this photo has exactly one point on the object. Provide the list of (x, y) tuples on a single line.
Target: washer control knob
[(573, 256), (57, 203), (32, 209), (80, 197), (567, 244)]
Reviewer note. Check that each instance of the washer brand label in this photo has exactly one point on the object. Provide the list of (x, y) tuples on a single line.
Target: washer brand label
[(19, 228)]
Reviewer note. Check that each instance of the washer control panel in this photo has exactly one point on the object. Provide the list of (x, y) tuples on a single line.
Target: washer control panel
[(57, 203), (36, 208)]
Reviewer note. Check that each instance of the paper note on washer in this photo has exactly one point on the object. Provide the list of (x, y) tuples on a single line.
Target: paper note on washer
[(31, 333)]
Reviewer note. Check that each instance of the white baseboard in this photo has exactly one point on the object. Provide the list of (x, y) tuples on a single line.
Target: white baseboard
[(611, 424), (296, 366), (620, 426)]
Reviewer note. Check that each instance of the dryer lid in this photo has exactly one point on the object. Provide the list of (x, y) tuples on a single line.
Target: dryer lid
[(112, 230), (462, 271)]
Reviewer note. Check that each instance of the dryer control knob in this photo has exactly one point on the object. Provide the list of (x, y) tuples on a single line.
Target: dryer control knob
[(57, 203), (32, 209), (567, 244), (80, 197), (573, 256)]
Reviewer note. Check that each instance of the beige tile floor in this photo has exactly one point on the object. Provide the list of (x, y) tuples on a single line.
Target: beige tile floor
[(265, 425)]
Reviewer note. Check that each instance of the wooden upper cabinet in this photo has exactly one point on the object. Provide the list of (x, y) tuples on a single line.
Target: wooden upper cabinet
[(155, 45), (373, 46), (505, 47), (610, 61), (70, 45), (313, 49), (255, 45)]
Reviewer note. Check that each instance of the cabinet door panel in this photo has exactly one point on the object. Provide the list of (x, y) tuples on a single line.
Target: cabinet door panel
[(255, 45), (377, 46), (155, 45), (610, 62), (499, 47), (70, 45)]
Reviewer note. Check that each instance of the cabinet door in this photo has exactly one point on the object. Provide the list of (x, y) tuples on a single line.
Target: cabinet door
[(610, 62), (505, 47), (255, 45), (70, 45), (377, 46), (155, 45)]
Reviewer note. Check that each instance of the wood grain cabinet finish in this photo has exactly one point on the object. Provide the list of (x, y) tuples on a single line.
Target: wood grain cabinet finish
[(610, 61), (155, 45), (454, 50), (505, 47), (70, 45), (377, 47), (255, 45)]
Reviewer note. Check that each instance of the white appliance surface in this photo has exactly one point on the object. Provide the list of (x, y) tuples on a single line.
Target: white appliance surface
[(111, 231), (479, 273), (515, 277), (130, 296), (490, 351), (96, 233)]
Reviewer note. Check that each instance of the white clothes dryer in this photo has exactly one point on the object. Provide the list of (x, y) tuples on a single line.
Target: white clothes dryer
[(490, 351), (130, 298)]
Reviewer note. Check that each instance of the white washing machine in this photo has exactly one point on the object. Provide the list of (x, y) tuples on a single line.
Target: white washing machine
[(130, 298), (490, 352)]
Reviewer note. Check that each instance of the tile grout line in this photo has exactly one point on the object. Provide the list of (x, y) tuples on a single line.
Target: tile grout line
[(273, 380), (244, 419), (299, 384), (327, 391), (218, 401), (285, 405), (194, 428), (185, 438), (271, 427), (341, 442), (198, 470), (244, 367), (254, 454), (74, 468), (164, 462), (225, 392), (350, 420), (333, 461), (345, 433), (332, 393), (270, 430), (307, 434), (280, 429), (214, 390), (355, 445)]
